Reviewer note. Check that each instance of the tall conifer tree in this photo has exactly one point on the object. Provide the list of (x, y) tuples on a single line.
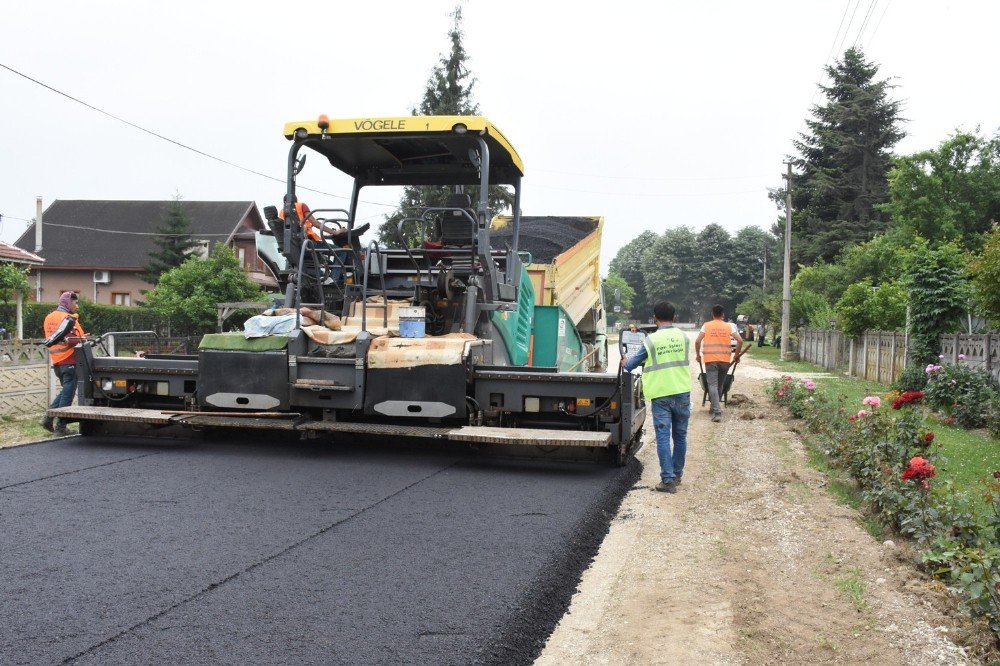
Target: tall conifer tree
[(843, 163), (173, 242), (448, 93)]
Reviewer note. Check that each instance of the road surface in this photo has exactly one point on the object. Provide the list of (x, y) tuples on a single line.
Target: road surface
[(233, 552)]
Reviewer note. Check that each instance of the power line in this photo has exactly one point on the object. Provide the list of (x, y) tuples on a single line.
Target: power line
[(833, 46), (173, 141), (864, 24), (871, 37), (826, 63), (849, 24)]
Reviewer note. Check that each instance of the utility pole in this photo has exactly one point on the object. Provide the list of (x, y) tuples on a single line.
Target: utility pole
[(765, 265), (786, 291)]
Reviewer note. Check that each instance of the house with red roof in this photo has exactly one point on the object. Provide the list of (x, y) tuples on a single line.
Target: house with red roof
[(15, 255)]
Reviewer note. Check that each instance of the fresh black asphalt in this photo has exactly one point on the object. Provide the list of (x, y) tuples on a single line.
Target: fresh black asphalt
[(131, 551)]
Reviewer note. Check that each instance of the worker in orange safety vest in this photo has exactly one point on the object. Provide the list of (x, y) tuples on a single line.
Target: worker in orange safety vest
[(307, 221), (717, 337), (63, 357)]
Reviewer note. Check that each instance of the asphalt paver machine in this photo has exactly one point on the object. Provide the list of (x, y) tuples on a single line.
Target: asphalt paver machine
[(443, 337)]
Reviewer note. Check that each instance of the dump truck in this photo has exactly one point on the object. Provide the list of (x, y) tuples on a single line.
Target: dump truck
[(474, 331), (562, 259)]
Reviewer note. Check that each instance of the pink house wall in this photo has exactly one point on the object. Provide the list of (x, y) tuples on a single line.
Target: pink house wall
[(56, 281)]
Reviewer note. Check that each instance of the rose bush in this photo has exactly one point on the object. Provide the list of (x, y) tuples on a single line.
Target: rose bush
[(962, 392), (895, 460)]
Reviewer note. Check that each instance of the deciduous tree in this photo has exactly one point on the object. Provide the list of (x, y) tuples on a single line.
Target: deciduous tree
[(939, 295), (618, 293), (187, 295), (629, 265), (864, 307), (12, 278), (985, 272), (948, 193)]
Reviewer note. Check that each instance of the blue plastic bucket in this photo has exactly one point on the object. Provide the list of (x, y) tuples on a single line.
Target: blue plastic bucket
[(412, 322)]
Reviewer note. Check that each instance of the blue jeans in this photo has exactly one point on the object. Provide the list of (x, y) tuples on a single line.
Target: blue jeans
[(66, 374), (670, 418)]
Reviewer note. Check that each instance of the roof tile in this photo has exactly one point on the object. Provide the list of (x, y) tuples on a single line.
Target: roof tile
[(104, 232)]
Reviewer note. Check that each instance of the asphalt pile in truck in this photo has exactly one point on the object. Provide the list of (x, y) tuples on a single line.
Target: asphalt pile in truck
[(546, 237)]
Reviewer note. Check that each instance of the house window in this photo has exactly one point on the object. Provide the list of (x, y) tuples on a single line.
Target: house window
[(121, 298), (243, 256)]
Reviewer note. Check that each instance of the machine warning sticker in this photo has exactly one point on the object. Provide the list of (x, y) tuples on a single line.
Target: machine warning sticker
[(583, 402), (562, 328)]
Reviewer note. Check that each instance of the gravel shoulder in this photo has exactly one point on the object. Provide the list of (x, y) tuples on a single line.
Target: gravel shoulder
[(751, 562)]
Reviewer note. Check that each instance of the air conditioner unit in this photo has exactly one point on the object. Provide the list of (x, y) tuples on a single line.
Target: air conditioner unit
[(102, 277)]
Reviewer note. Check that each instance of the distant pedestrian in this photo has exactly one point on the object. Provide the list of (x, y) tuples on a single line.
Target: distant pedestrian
[(665, 358), (63, 357), (722, 344), (761, 332)]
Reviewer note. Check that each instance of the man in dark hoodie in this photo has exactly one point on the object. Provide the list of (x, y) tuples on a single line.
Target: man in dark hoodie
[(63, 357)]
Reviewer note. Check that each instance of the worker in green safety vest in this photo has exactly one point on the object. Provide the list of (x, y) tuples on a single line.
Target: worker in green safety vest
[(666, 380)]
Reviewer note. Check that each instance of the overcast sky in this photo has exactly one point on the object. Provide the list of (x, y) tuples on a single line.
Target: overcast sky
[(654, 115)]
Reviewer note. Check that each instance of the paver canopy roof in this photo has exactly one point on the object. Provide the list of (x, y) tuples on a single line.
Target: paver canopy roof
[(411, 150), (109, 234)]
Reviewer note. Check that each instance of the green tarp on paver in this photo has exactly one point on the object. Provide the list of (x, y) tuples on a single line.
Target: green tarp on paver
[(236, 342)]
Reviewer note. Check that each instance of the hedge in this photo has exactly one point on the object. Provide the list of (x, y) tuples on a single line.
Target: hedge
[(96, 318)]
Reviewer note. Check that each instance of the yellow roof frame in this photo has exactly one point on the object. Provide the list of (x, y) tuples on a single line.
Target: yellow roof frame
[(409, 149)]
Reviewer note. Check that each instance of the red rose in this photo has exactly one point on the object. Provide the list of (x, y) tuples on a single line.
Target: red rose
[(920, 469), (929, 437)]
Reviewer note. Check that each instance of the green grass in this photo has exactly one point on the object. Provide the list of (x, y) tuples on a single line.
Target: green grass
[(771, 354), (971, 458), (853, 588)]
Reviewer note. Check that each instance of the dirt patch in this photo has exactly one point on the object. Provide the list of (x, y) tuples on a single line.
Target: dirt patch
[(751, 562)]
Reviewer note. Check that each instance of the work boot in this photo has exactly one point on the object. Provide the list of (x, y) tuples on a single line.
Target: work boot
[(669, 487), (716, 418), (60, 429), (46, 423)]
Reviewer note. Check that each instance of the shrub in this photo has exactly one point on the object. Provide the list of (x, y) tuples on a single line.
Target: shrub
[(962, 392), (914, 378), (792, 393), (993, 418)]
